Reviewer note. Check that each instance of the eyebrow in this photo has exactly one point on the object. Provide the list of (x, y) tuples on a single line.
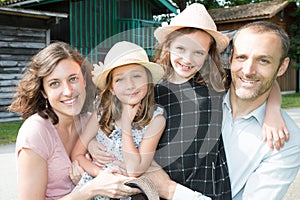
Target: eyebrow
[(55, 79)]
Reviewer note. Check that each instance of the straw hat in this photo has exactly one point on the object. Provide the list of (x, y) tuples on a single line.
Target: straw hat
[(124, 53), (194, 16), (147, 187)]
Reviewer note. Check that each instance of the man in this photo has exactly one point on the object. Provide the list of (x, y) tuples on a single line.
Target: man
[(259, 56), (256, 172)]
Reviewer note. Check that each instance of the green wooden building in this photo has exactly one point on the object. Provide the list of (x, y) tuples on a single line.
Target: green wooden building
[(95, 25)]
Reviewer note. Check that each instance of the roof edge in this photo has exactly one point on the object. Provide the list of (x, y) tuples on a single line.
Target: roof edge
[(35, 13)]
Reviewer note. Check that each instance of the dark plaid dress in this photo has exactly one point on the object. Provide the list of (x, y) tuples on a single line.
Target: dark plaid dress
[(191, 148)]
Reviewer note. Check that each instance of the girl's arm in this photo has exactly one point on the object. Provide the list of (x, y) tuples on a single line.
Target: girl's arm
[(275, 131), (80, 148), (137, 161)]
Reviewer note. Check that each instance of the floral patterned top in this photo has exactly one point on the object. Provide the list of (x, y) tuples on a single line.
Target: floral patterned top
[(113, 143)]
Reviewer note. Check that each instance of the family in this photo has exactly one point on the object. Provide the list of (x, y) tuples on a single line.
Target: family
[(193, 129)]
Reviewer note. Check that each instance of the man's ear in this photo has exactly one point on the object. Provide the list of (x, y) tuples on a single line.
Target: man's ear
[(230, 56), (283, 67)]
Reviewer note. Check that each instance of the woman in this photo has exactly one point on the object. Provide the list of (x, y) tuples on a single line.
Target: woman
[(52, 99)]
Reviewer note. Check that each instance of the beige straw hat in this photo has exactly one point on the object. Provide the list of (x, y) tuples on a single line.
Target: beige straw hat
[(148, 188), (194, 16), (124, 53)]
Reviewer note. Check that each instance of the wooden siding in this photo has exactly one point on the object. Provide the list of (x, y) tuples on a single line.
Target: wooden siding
[(96, 25), (17, 46), (91, 22)]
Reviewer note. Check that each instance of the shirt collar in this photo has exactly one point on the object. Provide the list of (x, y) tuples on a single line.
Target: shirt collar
[(258, 114)]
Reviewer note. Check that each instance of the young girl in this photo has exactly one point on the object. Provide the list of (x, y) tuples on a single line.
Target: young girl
[(128, 123), (191, 93)]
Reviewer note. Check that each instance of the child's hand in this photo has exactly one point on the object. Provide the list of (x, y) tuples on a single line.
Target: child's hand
[(275, 132), (75, 172), (129, 112), (99, 155)]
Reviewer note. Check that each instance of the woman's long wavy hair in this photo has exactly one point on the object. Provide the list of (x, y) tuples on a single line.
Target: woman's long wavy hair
[(29, 99), (212, 71), (111, 107)]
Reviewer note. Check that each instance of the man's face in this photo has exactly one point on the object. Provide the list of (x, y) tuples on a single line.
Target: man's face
[(255, 63)]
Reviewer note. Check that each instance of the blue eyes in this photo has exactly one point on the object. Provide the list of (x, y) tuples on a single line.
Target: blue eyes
[(55, 83), (121, 79), (244, 58), (182, 50), (73, 79)]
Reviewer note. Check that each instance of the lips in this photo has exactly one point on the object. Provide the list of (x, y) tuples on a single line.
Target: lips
[(132, 94), (70, 101), (249, 83), (185, 67)]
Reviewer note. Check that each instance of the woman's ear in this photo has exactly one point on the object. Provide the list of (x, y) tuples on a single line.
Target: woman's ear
[(44, 94)]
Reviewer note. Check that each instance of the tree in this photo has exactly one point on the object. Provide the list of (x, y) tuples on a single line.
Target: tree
[(294, 30), (209, 4), (230, 3)]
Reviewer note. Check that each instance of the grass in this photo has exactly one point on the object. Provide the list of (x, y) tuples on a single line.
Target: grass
[(291, 100), (9, 130)]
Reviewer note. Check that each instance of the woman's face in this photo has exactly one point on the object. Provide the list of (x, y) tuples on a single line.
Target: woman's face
[(65, 88), (187, 55), (130, 83)]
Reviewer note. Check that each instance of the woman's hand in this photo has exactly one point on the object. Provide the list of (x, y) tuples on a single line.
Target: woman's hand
[(110, 184)]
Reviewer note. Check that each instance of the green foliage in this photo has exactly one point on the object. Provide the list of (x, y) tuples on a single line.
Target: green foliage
[(231, 3), (294, 31)]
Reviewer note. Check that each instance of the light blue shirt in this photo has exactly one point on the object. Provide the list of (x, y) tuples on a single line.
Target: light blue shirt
[(257, 172)]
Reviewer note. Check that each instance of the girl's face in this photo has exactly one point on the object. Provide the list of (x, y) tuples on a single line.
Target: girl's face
[(65, 88), (130, 83), (187, 55)]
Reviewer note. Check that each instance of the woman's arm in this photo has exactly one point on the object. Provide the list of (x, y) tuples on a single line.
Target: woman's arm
[(32, 175), (107, 184), (275, 131), (137, 161), (80, 148)]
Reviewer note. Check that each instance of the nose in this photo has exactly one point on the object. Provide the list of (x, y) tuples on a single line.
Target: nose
[(68, 89), (249, 67), (130, 84), (187, 57)]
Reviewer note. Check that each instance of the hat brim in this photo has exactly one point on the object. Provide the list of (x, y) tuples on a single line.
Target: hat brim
[(162, 33), (156, 70)]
